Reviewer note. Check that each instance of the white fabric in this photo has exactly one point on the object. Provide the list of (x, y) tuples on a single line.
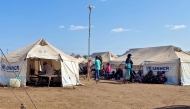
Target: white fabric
[(69, 77), (185, 73)]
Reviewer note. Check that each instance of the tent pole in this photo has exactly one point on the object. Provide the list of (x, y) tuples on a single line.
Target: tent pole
[(179, 77)]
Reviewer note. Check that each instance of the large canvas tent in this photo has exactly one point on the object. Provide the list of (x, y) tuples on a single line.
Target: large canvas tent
[(170, 59), (34, 55), (176, 64), (139, 55), (106, 56), (81, 59)]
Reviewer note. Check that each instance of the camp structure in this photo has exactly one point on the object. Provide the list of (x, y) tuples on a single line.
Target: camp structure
[(81, 59), (188, 52), (30, 58), (170, 59), (139, 55), (82, 63), (106, 56)]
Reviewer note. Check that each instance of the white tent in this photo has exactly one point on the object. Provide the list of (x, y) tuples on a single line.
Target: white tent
[(106, 56), (81, 59), (171, 59), (176, 65), (34, 55), (139, 55)]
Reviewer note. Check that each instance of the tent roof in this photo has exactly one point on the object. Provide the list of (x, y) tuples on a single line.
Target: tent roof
[(78, 56), (184, 57), (39, 49), (97, 54), (139, 55), (106, 56), (188, 52)]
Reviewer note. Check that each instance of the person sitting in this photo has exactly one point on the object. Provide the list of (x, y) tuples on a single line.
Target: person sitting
[(47, 69), (119, 74), (149, 78), (113, 75), (132, 75), (139, 77), (160, 79)]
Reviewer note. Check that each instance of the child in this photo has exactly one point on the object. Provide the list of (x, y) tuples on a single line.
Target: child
[(108, 70)]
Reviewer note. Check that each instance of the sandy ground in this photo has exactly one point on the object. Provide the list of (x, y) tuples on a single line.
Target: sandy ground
[(104, 95)]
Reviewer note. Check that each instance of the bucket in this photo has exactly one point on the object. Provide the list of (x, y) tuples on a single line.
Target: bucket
[(14, 82)]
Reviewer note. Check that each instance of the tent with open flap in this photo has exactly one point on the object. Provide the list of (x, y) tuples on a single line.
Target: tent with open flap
[(20, 63)]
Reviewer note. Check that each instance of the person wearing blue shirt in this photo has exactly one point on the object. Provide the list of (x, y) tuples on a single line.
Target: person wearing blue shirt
[(128, 66), (97, 65)]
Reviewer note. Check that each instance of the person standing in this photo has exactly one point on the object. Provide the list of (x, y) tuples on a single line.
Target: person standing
[(89, 64), (128, 66), (97, 64), (108, 71)]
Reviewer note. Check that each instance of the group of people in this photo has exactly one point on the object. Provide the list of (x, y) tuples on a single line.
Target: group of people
[(126, 77), (158, 79)]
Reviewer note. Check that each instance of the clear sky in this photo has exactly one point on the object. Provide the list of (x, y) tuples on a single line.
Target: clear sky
[(118, 25)]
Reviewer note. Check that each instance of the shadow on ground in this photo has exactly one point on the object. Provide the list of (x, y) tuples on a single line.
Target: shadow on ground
[(175, 107), (110, 82)]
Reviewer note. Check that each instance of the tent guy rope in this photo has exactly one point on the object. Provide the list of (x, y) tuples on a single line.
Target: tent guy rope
[(22, 106)]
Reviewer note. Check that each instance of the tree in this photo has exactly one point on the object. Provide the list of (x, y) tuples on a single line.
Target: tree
[(85, 56)]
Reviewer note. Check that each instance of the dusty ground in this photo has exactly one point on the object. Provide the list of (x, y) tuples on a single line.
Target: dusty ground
[(104, 95)]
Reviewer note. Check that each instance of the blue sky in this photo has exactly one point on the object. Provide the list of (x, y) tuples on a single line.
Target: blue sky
[(118, 25)]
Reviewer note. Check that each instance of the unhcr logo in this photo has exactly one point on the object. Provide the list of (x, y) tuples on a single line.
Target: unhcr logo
[(3, 67), (9, 68), (165, 68)]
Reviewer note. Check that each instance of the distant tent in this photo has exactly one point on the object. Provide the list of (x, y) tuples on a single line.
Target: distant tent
[(34, 55), (171, 59), (106, 56), (78, 56), (188, 52), (81, 59)]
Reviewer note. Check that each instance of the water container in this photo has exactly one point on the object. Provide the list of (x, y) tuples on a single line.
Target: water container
[(14, 82)]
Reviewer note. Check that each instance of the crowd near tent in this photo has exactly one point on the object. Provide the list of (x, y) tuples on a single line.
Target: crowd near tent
[(33, 56), (106, 56), (170, 59)]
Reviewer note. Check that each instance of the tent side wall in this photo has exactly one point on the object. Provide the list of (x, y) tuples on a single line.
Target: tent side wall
[(6, 71), (70, 73), (185, 73), (171, 70)]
